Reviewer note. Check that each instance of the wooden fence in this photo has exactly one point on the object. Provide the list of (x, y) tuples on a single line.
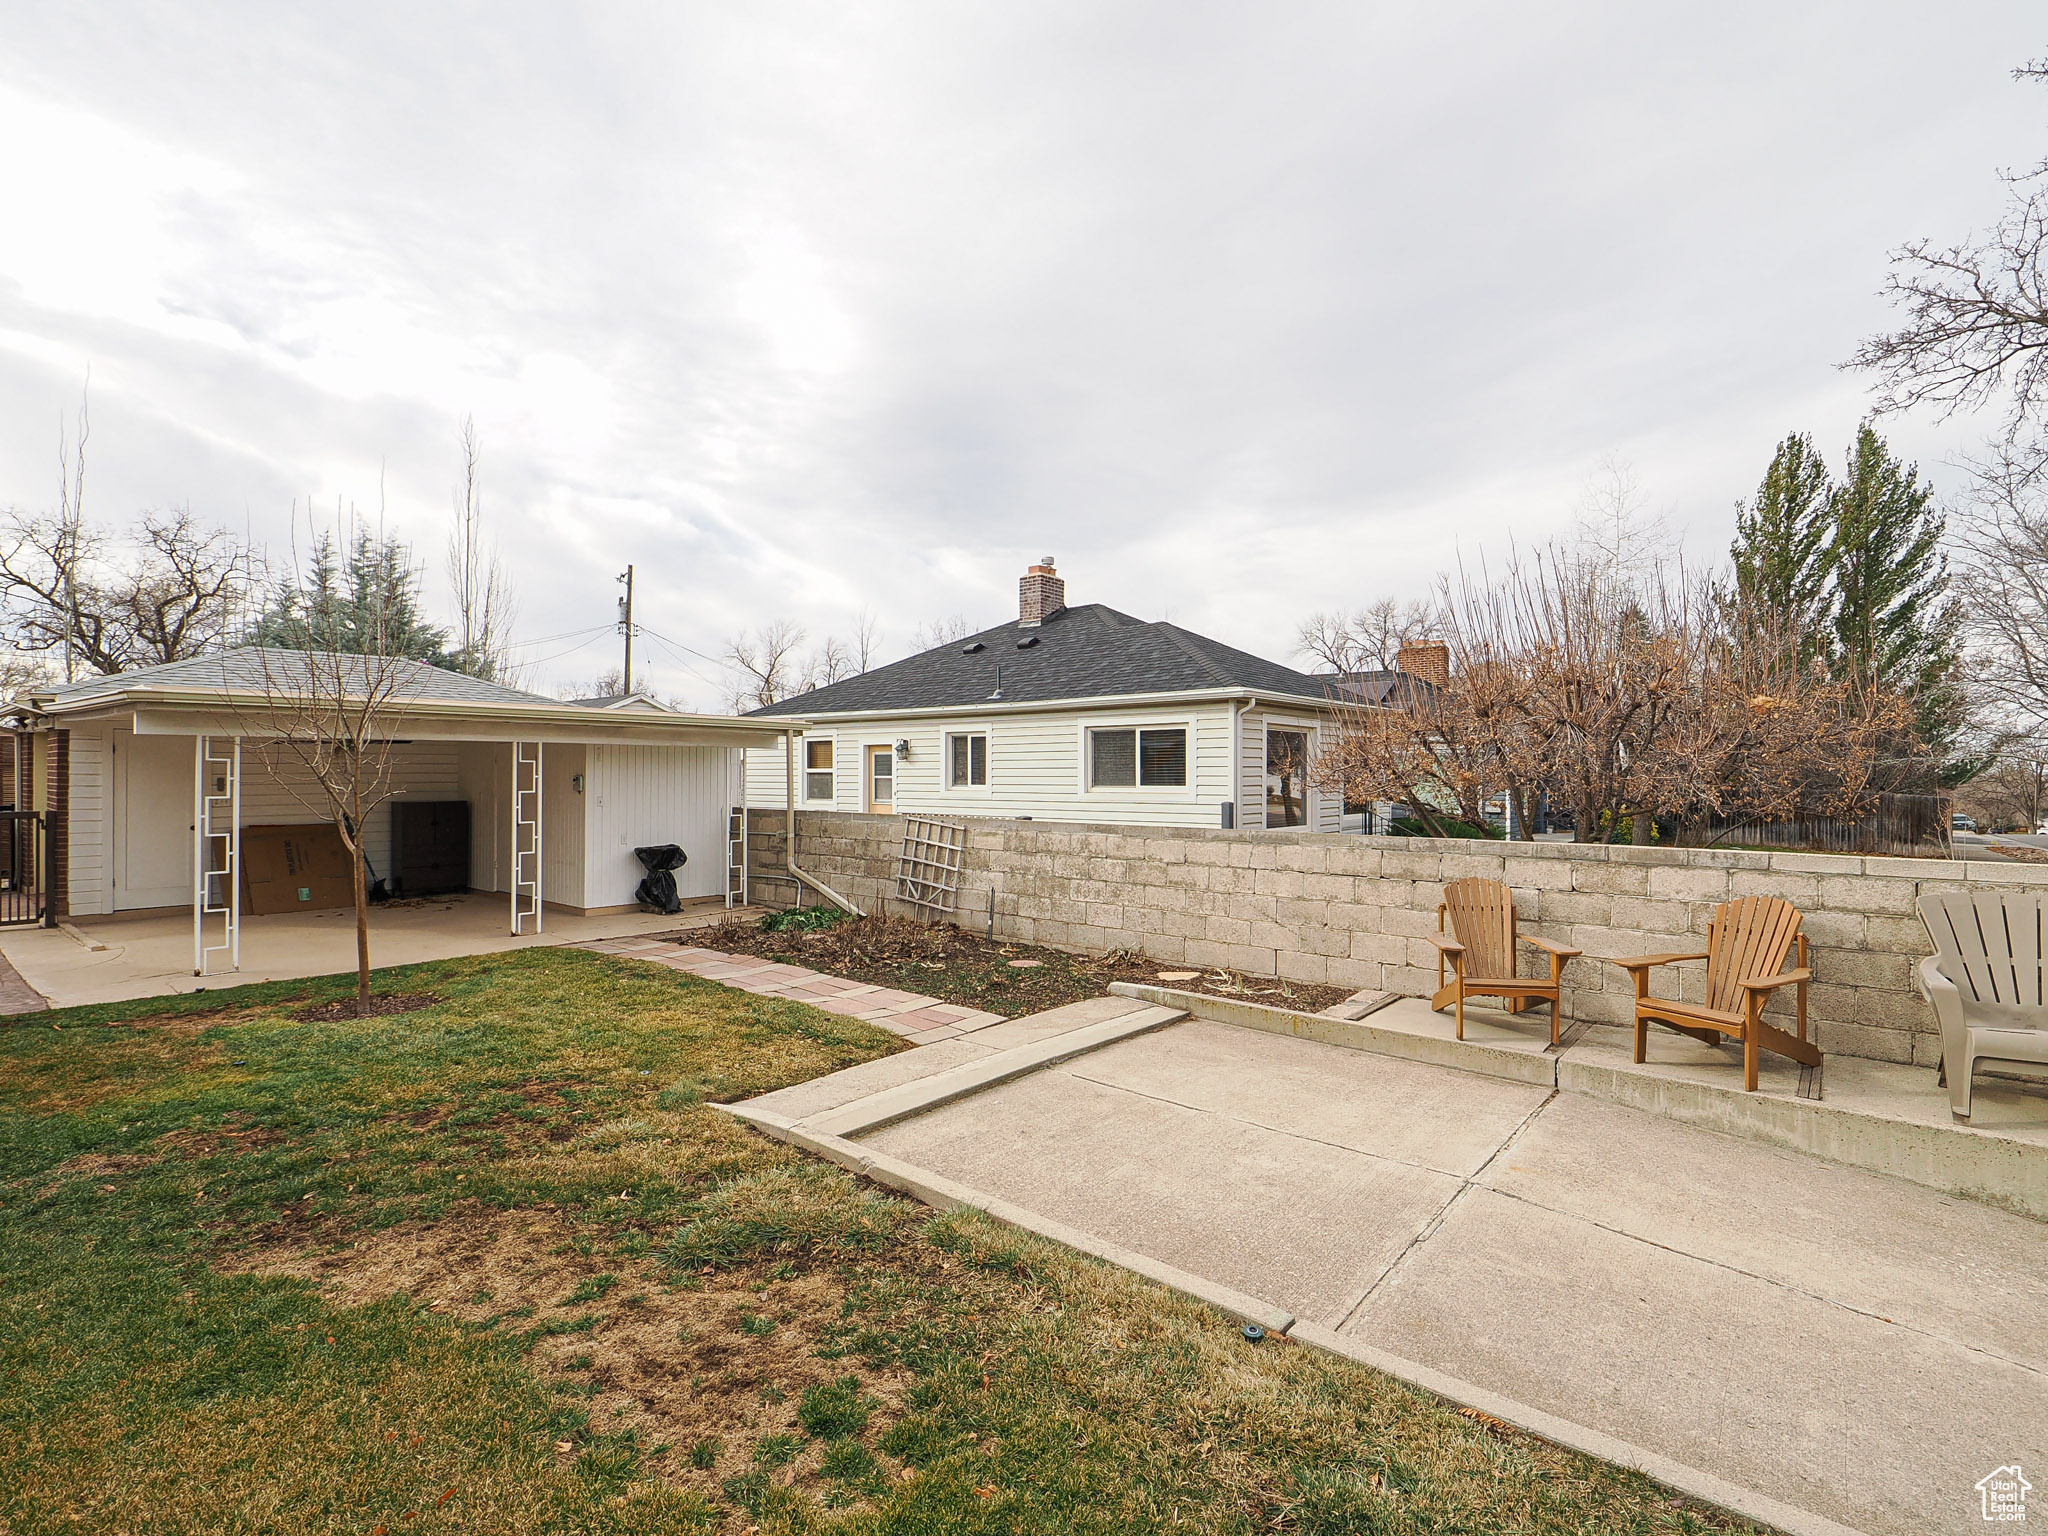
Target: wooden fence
[(1901, 824)]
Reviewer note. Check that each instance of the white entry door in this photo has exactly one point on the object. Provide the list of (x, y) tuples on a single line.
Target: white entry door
[(152, 830)]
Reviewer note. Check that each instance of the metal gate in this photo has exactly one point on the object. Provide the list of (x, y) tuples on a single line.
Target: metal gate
[(24, 870)]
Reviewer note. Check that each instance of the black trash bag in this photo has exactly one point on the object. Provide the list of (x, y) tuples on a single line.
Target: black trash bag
[(657, 893)]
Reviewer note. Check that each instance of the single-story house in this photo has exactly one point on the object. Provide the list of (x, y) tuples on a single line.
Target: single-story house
[(1068, 714), (143, 783)]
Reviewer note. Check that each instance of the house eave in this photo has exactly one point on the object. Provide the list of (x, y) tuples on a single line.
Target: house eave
[(822, 717)]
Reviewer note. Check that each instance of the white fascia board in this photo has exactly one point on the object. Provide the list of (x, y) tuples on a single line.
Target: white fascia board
[(155, 712), (1113, 701)]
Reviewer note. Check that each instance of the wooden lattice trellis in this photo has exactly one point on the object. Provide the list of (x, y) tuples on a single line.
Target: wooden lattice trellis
[(928, 873)]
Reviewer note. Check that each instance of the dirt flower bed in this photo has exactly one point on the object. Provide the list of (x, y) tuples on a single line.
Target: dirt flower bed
[(959, 966)]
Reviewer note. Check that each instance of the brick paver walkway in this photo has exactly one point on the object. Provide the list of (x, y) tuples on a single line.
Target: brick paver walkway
[(920, 1020)]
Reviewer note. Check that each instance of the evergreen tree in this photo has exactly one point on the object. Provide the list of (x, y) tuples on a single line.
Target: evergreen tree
[(1895, 623), (1783, 548), (368, 605)]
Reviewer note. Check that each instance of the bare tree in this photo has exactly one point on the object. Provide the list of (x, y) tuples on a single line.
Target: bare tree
[(168, 590), (765, 664), (337, 713), (1616, 532), (1662, 698), (484, 605), (1976, 312), (866, 640), (933, 633), (827, 665), (65, 546), (2000, 536), (1368, 639)]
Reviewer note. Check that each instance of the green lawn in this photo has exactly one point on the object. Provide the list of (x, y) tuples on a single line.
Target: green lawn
[(495, 1266)]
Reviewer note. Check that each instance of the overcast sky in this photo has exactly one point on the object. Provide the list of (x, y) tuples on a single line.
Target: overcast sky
[(1238, 311)]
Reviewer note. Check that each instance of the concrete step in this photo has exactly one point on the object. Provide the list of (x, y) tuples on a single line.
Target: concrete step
[(1389, 1031), (921, 1094)]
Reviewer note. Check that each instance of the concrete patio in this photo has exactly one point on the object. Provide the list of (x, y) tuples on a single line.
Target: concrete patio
[(1822, 1346), (103, 960)]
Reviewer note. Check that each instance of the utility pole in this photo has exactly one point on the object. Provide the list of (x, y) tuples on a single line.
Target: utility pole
[(626, 626)]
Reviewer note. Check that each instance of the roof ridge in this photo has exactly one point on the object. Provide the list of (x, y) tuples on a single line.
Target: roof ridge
[(1180, 638)]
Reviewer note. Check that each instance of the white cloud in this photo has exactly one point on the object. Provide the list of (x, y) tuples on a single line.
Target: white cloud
[(804, 309)]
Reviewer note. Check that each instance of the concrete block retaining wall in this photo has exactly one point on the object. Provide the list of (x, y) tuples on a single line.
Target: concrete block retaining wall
[(1352, 911)]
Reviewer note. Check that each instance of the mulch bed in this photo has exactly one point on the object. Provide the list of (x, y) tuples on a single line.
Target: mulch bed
[(957, 966), (376, 1007)]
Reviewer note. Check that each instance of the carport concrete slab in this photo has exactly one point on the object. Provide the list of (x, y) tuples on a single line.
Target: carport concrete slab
[(1405, 1110), (1953, 1268), (1871, 1423), (1297, 1222)]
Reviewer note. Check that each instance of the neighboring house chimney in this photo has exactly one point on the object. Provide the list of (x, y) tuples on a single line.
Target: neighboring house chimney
[(1430, 661), (1040, 595)]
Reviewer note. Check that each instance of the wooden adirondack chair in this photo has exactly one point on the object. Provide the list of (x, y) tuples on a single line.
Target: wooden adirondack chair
[(1987, 980), (1481, 954), (1746, 943)]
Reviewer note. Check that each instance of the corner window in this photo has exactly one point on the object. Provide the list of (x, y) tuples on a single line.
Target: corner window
[(1286, 778), (1143, 759), (818, 770), (966, 760)]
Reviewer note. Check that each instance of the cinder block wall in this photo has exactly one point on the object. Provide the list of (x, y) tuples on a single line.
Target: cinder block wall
[(1352, 911)]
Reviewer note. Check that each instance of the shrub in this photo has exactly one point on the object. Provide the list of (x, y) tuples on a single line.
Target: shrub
[(803, 919)]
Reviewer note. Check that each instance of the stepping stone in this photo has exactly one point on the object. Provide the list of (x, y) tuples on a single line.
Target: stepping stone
[(1180, 975), (1025, 965)]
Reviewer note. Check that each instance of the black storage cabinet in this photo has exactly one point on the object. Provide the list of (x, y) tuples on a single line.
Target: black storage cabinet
[(429, 847)]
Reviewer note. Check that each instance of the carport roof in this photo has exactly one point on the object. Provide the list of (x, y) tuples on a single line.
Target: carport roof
[(245, 690)]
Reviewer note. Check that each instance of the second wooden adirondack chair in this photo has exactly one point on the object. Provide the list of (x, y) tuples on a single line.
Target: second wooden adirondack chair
[(1746, 944), (1480, 952)]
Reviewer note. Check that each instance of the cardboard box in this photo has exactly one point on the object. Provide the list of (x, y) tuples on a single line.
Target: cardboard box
[(295, 869)]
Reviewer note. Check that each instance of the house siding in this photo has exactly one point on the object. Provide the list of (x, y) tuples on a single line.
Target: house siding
[(645, 795), (89, 884), (1036, 766), (1325, 811)]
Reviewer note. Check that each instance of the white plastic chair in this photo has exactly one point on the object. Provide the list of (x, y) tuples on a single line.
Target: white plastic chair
[(1987, 980)]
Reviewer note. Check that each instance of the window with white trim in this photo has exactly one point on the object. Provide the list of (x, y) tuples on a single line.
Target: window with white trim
[(818, 780), (966, 759), (1153, 757)]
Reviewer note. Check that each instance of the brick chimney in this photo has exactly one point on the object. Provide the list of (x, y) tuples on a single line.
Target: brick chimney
[(1428, 660), (1040, 594)]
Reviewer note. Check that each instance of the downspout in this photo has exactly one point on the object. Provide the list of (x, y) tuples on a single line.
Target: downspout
[(1237, 714), (789, 830)]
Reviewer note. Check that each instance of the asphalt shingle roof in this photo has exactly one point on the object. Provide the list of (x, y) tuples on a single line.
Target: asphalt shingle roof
[(1089, 652), (250, 668)]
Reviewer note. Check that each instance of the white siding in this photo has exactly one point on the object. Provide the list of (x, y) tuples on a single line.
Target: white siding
[(1325, 811), (563, 824), (1036, 767), (91, 890), (278, 791), (643, 795), (483, 777)]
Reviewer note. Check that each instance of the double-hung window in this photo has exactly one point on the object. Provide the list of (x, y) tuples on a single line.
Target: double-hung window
[(1152, 757), (818, 784), (966, 760)]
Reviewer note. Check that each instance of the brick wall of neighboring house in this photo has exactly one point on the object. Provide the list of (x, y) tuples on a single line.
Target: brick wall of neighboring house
[(1352, 911)]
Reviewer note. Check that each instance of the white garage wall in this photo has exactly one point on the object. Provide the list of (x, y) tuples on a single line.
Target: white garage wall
[(89, 889), (277, 790), (644, 795)]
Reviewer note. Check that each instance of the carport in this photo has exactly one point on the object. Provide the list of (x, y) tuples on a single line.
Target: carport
[(149, 783)]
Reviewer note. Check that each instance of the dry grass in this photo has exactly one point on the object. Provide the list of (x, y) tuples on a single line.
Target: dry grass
[(496, 1266)]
